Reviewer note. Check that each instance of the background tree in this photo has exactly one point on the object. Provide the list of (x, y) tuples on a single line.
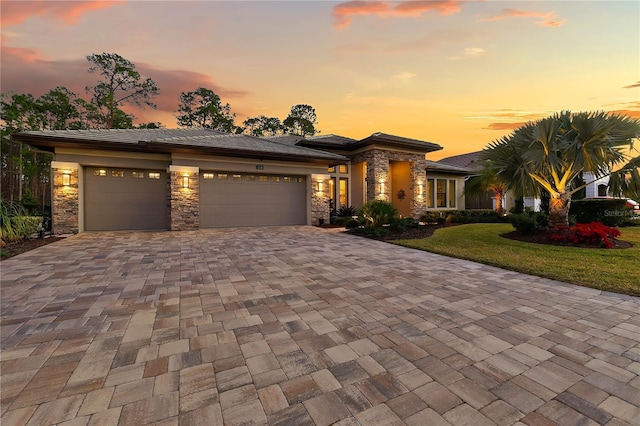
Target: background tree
[(551, 153), (59, 109), (203, 108), (263, 126), (486, 180), (120, 84), (301, 121)]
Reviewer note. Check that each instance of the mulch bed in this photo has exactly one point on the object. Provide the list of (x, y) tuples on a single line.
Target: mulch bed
[(543, 237), (22, 246)]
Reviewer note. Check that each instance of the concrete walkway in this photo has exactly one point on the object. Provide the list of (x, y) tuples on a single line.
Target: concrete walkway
[(303, 326)]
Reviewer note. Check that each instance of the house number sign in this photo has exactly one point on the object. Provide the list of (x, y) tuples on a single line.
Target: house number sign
[(259, 167)]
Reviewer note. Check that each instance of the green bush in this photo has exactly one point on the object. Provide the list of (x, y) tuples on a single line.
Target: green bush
[(610, 212), (440, 220), (15, 224), (428, 217), (347, 211), (528, 223), (352, 223), (378, 213)]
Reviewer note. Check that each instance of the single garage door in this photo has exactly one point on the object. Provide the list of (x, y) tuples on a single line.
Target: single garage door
[(238, 199), (125, 199)]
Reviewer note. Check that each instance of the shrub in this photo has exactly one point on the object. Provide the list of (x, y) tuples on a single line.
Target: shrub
[(428, 217), (586, 233), (440, 220), (401, 224), (610, 212), (15, 224), (378, 213), (526, 224), (340, 220), (347, 211), (352, 223)]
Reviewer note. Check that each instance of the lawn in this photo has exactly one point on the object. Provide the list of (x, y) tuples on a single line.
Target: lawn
[(615, 270)]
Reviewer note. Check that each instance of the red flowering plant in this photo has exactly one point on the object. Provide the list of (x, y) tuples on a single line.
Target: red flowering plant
[(585, 233)]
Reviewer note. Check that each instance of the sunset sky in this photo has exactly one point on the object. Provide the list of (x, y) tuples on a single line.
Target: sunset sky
[(457, 73)]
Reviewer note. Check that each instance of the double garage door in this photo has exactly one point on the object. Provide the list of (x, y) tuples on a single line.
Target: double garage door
[(242, 199), (131, 199)]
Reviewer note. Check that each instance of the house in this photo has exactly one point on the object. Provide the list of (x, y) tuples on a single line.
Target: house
[(180, 179), (381, 166), (187, 179)]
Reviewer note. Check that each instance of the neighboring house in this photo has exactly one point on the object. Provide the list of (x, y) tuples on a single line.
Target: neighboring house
[(187, 179)]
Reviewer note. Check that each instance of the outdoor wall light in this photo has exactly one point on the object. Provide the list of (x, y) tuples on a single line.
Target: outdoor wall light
[(381, 187), (66, 178), (320, 186), (185, 181)]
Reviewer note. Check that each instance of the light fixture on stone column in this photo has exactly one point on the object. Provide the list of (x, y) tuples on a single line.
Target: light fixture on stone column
[(66, 178), (185, 181)]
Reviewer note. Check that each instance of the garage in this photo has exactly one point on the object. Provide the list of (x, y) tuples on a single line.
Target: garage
[(125, 199), (229, 199)]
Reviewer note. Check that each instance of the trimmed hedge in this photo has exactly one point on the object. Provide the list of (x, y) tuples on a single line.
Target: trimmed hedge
[(610, 212)]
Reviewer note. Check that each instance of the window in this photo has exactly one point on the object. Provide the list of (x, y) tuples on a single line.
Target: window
[(138, 175), (154, 175), (117, 173), (264, 178), (332, 189), (223, 176), (250, 177), (602, 190), (441, 193), (286, 179), (331, 169), (101, 172), (344, 196), (275, 178), (452, 193), (207, 176), (343, 169), (299, 180), (236, 177), (430, 191)]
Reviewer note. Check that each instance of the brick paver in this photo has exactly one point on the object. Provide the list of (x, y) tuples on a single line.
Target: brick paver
[(299, 325)]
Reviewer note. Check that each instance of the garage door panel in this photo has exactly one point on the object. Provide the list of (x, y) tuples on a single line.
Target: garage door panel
[(124, 202), (229, 203)]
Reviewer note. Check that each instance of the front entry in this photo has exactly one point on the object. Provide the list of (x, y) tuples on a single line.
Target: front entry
[(401, 194)]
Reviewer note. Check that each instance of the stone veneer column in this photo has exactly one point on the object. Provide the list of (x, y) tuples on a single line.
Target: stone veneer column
[(184, 203), (418, 185), (320, 198), (65, 202)]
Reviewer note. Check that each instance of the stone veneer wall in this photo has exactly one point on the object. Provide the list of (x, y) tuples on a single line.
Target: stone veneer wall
[(378, 170), (65, 202), (184, 203), (320, 201)]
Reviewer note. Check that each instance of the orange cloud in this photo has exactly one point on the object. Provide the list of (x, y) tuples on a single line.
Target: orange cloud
[(632, 109), (16, 12), (631, 86), (343, 12), (504, 126), (548, 18)]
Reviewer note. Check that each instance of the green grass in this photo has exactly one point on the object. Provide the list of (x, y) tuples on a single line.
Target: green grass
[(614, 270)]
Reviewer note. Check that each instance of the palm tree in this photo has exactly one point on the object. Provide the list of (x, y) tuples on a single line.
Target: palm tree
[(486, 180), (552, 152)]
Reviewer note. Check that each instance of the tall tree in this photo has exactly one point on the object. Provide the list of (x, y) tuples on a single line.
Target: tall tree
[(120, 84), (203, 108), (263, 126), (551, 153), (18, 113), (301, 121), (59, 109)]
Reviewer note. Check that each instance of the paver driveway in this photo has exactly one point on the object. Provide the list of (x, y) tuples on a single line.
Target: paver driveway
[(303, 326)]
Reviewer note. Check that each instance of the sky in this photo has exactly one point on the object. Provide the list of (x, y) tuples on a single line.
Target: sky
[(457, 73)]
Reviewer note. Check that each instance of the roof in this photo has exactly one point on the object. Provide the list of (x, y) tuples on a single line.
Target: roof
[(467, 161), (342, 143), (436, 166), (288, 139), (173, 140)]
